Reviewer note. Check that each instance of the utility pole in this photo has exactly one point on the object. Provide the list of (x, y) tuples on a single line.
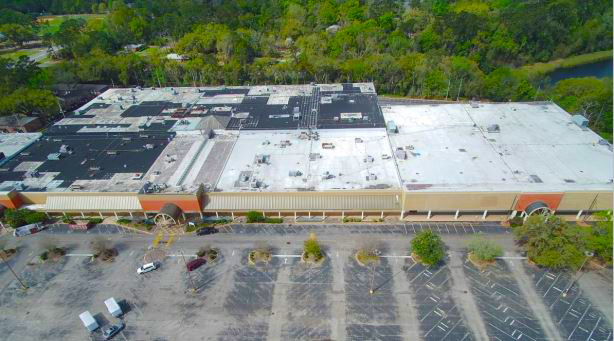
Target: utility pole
[(588, 255), (448, 90), (25, 287), (189, 275), (371, 289)]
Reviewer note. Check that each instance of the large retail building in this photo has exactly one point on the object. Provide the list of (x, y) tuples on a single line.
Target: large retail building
[(305, 150)]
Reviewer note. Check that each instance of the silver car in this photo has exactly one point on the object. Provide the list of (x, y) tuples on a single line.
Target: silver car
[(148, 267)]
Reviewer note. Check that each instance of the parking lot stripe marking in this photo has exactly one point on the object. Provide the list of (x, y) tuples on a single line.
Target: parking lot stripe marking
[(79, 255), (577, 324), (595, 327), (233, 252), (290, 256)]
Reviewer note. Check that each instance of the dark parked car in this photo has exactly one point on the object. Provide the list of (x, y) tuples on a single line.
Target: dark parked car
[(195, 263), (206, 230), (109, 332)]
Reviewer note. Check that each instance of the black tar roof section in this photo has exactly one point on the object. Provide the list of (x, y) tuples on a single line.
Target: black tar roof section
[(326, 115), (89, 151)]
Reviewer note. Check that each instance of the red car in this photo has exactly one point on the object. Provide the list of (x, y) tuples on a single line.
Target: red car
[(195, 263)]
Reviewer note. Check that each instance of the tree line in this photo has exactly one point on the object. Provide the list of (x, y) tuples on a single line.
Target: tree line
[(422, 48)]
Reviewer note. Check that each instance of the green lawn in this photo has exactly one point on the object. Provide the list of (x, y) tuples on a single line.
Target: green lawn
[(567, 62), (51, 23)]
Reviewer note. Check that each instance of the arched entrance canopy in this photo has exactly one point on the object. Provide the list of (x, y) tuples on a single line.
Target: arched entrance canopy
[(168, 215)]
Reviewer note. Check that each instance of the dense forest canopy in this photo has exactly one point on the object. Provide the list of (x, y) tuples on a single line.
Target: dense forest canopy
[(423, 48)]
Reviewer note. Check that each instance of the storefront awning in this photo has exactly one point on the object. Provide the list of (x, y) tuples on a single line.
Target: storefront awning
[(92, 203)]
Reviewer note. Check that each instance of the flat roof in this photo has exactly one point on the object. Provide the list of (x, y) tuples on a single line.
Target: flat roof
[(95, 162), (537, 147), (278, 161), (325, 106), (160, 141)]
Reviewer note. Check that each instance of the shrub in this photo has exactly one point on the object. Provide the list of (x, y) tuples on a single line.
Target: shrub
[(94, 221), (101, 249), (428, 247), (366, 256), (351, 220), (516, 221), (551, 242), (124, 221), (600, 239), (254, 217), (312, 248), (191, 228), (32, 217), (261, 253), (274, 220), (16, 218), (484, 250), (202, 251), (45, 255)]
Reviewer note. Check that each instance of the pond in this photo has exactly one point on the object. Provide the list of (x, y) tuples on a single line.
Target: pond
[(597, 69)]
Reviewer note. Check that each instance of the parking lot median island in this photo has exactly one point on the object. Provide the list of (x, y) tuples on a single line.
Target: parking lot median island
[(312, 253), (260, 255)]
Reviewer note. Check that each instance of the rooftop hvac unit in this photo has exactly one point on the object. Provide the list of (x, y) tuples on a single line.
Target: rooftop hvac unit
[(75, 186), (328, 145), (358, 140), (295, 173), (391, 127), (32, 174), (54, 156), (580, 121), (314, 156), (369, 158), (137, 176), (127, 138), (400, 154), (254, 184), (95, 168), (262, 159), (371, 177), (149, 146), (111, 152), (385, 156), (327, 175), (493, 128)]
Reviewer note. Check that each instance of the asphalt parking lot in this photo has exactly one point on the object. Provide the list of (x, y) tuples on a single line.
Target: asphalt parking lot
[(505, 311), (460, 228), (576, 315), (229, 299)]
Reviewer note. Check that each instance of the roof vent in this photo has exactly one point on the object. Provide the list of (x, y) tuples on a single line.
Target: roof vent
[(493, 128), (534, 178)]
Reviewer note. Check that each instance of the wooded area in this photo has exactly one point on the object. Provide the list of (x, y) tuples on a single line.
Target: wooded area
[(430, 48)]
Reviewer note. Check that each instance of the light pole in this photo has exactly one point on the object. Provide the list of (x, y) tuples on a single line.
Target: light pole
[(25, 287), (588, 255)]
